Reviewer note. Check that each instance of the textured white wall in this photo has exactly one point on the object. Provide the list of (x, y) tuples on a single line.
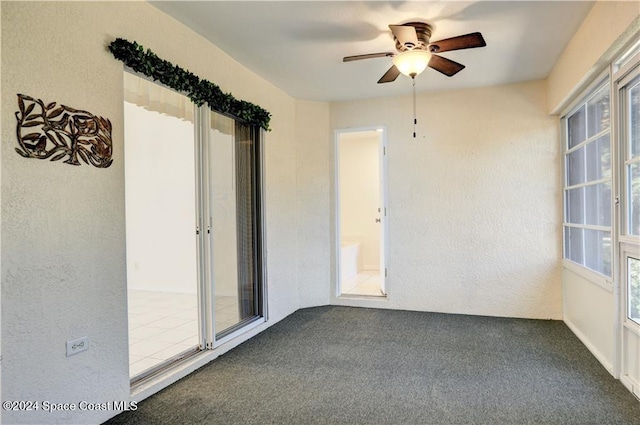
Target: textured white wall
[(63, 227), (474, 201), (589, 310), (312, 205), (608, 27)]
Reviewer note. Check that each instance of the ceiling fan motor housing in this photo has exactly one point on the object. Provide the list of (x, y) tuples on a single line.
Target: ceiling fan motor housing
[(413, 42), (423, 31)]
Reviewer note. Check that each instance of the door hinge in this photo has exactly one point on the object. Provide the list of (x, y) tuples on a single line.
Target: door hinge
[(386, 273)]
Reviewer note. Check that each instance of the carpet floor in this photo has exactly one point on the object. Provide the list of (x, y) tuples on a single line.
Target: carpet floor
[(343, 365)]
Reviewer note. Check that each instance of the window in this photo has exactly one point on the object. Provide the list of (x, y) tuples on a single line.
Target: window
[(633, 282), (587, 185), (631, 106)]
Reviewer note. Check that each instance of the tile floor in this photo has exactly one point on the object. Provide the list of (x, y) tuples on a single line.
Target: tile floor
[(162, 325), (366, 282)]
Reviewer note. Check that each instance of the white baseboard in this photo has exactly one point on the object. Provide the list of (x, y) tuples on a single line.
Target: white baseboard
[(631, 385), (596, 353)]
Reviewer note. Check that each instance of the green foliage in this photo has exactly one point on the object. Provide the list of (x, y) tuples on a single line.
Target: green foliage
[(634, 289), (199, 91)]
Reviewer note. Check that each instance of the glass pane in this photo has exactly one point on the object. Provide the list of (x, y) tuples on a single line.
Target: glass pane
[(246, 219), (574, 206), (224, 251), (575, 167), (633, 189), (162, 281), (597, 251), (598, 112), (633, 279), (634, 119), (233, 188), (573, 244), (599, 159), (577, 127), (598, 204)]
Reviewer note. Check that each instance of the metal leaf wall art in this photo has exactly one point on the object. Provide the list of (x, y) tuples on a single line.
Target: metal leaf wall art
[(58, 131)]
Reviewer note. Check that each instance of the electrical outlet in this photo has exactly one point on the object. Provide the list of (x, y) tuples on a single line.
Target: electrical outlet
[(76, 346)]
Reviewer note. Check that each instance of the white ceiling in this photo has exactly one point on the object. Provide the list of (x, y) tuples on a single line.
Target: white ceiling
[(299, 45)]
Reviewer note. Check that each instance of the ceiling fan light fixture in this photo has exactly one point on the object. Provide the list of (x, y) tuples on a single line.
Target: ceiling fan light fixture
[(412, 62)]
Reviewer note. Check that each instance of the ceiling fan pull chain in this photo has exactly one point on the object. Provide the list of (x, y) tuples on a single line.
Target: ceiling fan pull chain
[(415, 120)]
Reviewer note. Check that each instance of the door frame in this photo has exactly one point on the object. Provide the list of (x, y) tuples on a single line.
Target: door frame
[(629, 329), (628, 246), (208, 339), (382, 148)]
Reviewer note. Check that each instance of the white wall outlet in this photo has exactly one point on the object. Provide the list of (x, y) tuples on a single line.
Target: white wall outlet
[(76, 346)]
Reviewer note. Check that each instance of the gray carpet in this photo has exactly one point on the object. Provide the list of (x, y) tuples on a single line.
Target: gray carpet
[(342, 365)]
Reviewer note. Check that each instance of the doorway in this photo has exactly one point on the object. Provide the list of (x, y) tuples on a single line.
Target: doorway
[(193, 188), (361, 212)]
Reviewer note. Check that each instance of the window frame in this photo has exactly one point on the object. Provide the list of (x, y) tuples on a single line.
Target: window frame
[(630, 322), (626, 70), (215, 337), (209, 339), (590, 92), (626, 73), (626, 159)]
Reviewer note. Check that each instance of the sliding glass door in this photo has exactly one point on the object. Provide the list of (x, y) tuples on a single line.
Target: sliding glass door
[(232, 151), (194, 227), (162, 279)]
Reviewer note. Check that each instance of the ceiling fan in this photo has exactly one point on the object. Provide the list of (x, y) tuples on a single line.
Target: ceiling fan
[(416, 52)]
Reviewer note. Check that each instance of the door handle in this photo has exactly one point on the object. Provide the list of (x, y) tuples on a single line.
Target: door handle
[(377, 220)]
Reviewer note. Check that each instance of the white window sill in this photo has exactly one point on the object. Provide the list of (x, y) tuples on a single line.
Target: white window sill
[(602, 281)]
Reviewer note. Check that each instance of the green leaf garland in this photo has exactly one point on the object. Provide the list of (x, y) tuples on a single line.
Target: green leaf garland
[(198, 90)]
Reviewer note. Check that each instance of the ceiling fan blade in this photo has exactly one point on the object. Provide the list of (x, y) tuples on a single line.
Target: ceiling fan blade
[(466, 41), (367, 56), (390, 75), (445, 66), (405, 34)]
